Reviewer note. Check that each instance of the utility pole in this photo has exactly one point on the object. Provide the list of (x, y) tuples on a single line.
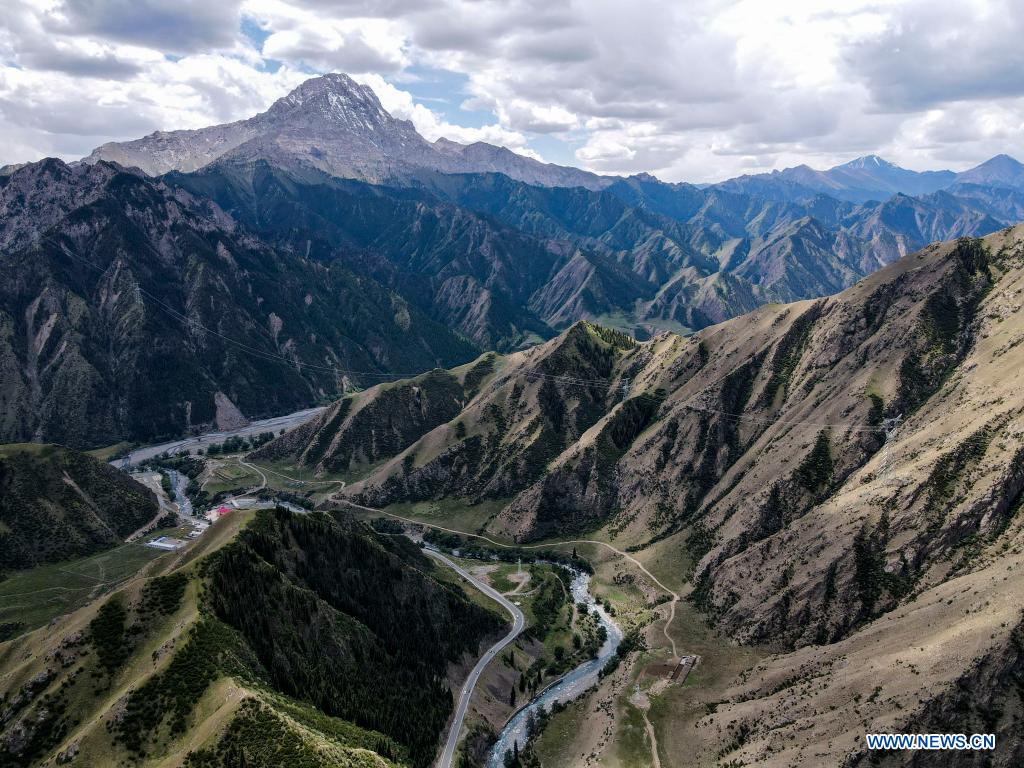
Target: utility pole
[(890, 426)]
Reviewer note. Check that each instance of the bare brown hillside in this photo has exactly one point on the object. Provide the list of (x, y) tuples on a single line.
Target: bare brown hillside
[(887, 567), (759, 437)]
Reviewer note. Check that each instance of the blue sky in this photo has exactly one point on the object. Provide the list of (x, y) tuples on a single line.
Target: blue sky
[(696, 91)]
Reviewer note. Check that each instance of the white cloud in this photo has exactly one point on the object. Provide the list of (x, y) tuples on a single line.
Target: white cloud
[(310, 37), (693, 91), (401, 104)]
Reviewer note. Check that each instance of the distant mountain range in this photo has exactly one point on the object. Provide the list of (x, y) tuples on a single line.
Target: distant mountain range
[(872, 178), (325, 243)]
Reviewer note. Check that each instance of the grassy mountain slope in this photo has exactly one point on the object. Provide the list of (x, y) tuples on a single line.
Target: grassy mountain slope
[(505, 437), (362, 429), (56, 503), (271, 645)]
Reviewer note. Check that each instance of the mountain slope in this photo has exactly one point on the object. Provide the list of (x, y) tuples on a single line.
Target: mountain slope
[(359, 431), (904, 224), (1000, 171), (503, 249), (524, 259), (734, 436), (871, 178), (271, 645), (860, 180), (884, 571), (56, 504), (106, 271), (441, 258)]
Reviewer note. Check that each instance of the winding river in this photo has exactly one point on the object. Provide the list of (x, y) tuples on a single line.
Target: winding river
[(567, 687)]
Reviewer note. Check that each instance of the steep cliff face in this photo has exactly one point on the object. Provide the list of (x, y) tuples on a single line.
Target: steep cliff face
[(127, 309)]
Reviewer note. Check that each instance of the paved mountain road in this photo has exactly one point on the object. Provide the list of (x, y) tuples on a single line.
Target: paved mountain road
[(518, 622), (276, 424)]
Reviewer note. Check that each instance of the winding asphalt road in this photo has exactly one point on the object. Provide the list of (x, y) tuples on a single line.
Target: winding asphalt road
[(518, 622)]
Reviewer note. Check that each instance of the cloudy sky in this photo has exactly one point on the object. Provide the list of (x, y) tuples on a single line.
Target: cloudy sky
[(697, 90)]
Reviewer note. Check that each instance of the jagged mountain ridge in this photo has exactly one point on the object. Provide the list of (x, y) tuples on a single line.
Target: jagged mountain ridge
[(871, 178), (672, 454), (537, 258), (108, 271), (531, 259), (336, 126), (499, 262), (331, 126)]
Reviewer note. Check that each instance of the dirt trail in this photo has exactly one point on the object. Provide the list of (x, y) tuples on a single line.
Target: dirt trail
[(258, 471), (641, 701), (522, 581), (295, 479)]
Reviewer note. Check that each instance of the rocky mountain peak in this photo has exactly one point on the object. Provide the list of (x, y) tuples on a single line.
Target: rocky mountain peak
[(869, 162), (1001, 170), (334, 98), (336, 126)]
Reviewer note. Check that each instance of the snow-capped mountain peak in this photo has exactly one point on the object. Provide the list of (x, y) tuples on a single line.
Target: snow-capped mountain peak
[(868, 162)]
